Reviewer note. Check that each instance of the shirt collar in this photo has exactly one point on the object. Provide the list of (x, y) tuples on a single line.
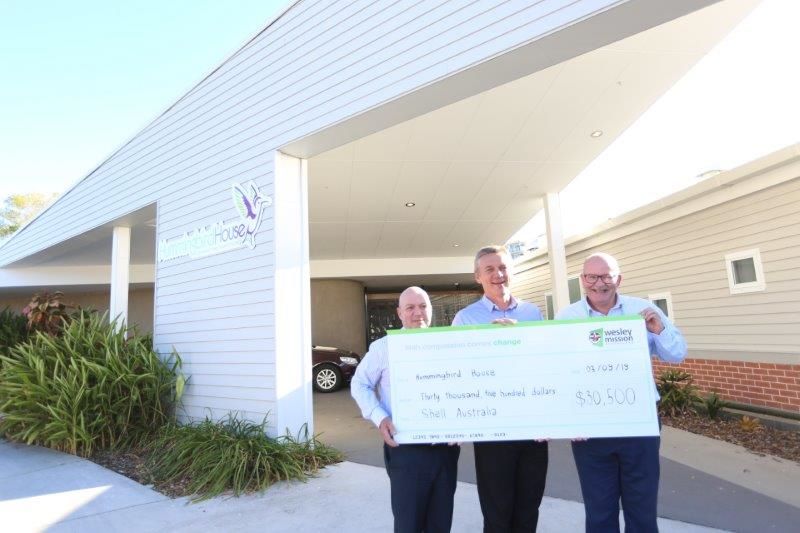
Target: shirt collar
[(589, 309), (489, 305)]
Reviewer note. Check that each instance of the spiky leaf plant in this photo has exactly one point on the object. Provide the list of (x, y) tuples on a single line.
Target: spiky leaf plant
[(233, 455), (89, 388)]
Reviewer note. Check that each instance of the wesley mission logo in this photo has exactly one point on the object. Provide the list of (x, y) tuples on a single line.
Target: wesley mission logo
[(222, 236), (596, 336), (600, 337)]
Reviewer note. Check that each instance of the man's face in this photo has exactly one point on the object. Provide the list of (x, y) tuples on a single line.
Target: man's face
[(493, 274), (600, 283), (414, 310)]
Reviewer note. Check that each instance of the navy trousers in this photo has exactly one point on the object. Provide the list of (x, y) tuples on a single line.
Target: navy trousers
[(423, 482), (511, 477), (615, 469)]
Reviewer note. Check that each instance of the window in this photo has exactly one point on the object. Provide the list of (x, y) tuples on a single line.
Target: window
[(663, 300), (745, 273), (550, 312), (574, 285)]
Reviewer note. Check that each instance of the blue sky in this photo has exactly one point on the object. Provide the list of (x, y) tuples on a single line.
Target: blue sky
[(81, 77)]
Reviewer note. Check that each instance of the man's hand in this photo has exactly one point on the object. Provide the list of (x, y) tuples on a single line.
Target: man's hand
[(652, 321), (504, 321), (388, 430)]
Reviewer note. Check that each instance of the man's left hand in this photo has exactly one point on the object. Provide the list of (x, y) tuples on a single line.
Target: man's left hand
[(652, 321)]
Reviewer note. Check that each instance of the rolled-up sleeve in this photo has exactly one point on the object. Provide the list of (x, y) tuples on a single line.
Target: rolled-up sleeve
[(669, 345), (365, 382)]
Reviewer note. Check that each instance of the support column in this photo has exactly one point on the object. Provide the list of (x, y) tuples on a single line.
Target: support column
[(294, 407), (120, 275), (556, 253)]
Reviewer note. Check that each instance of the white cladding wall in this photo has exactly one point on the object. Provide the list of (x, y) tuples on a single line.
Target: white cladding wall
[(686, 256), (318, 64)]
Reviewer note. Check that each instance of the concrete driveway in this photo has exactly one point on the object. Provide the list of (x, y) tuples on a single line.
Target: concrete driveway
[(703, 481)]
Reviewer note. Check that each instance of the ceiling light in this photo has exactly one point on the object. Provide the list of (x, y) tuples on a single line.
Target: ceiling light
[(455, 246), (596, 133), (410, 204)]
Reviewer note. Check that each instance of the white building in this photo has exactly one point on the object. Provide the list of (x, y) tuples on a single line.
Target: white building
[(363, 141)]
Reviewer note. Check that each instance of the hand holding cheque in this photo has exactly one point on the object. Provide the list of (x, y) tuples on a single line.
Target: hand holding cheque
[(564, 379)]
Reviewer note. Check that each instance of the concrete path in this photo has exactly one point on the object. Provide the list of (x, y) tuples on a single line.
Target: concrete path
[(41, 490), (703, 481)]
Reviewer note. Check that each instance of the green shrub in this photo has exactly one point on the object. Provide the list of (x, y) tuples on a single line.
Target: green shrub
[(232, 454), (678, 395), (89, 388), (13, 330), (713, 404)]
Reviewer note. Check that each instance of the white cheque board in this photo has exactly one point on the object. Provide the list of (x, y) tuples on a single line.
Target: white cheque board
[(550, 379)]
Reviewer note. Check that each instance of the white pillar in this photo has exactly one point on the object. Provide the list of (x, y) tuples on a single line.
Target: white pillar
[(292, 300), (556, 253), (120, 275)]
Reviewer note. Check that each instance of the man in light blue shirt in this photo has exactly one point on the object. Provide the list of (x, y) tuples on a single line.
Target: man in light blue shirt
[(422, 476), (511, 474), (624, 468)]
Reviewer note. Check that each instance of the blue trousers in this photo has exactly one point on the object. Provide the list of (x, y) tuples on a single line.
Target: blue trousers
[(611, 470), (423, 482)]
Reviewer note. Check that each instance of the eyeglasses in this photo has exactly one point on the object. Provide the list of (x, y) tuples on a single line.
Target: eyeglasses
[(592, 278)]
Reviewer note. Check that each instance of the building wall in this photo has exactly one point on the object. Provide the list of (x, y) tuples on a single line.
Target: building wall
[(338, 315), (140, 304), (745, 346)]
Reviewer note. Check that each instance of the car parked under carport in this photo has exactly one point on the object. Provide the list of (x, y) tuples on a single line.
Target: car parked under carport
[(332, 367)]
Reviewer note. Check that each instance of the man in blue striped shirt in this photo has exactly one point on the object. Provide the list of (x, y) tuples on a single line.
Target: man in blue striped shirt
[(624, 468), (511, 474)]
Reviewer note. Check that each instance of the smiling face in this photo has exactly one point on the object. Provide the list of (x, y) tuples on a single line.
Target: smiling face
[(600, 280), (414, 309), (492, 272)]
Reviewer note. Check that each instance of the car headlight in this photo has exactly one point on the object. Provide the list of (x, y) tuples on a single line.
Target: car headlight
[(349, 360)]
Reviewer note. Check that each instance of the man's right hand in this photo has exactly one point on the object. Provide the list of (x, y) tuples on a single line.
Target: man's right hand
[(388, 430)]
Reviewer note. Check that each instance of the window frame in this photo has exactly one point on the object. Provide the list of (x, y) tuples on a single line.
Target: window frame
[(580, 288), (667, 296), (549, 295), (760, 284)]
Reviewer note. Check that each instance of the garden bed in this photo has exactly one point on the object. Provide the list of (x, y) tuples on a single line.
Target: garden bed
[(763, 440)]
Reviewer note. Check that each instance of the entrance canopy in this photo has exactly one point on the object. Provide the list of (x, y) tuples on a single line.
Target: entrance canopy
[(443, 184)]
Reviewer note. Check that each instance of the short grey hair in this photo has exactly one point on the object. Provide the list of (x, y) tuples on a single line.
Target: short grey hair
[(491, 249), (610, 260)]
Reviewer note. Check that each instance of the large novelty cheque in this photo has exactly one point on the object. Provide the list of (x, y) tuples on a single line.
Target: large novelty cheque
[(534, 380)]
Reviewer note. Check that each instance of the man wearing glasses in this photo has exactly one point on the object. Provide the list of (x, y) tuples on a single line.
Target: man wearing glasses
[(626, 467)]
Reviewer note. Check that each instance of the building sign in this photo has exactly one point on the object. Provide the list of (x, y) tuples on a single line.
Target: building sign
[(222, 235)]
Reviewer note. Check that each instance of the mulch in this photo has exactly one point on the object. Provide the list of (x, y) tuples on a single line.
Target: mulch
[(761, 439), (133, 464)]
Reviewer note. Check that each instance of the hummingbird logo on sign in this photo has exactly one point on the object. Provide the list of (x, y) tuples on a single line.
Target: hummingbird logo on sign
[(250, 204), (596, 336)]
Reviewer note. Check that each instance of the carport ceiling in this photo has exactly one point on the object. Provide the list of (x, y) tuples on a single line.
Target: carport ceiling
[(476, 170)]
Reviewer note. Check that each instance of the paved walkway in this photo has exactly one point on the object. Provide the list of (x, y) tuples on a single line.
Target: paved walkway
[(42, 490), (703, 481), (719, 485)]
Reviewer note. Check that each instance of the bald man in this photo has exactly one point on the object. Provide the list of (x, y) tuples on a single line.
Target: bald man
[(422, 476), (626, 468)]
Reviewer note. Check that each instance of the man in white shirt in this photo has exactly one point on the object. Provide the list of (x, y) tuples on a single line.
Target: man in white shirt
[(422, 476)]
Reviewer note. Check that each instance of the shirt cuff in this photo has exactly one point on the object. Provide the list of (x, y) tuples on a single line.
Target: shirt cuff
[(378, 415)]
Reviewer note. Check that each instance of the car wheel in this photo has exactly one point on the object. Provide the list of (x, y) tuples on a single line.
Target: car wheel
[(327, 378)]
